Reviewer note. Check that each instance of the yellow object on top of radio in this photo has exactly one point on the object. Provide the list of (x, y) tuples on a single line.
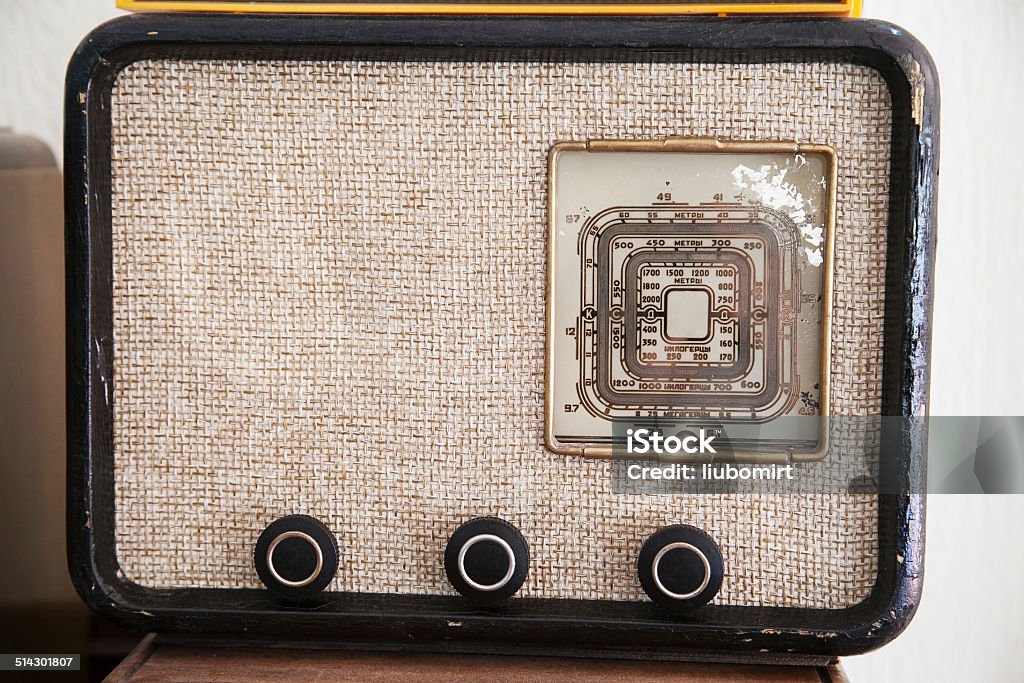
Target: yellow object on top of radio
[(838, 8)]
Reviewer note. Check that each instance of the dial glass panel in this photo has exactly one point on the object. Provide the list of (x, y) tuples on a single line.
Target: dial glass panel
[(689, 279)]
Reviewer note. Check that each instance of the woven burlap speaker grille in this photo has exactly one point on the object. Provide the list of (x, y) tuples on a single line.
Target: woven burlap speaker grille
[(328, 298)]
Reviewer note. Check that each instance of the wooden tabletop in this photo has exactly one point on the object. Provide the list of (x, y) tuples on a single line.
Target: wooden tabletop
[(157, 663)]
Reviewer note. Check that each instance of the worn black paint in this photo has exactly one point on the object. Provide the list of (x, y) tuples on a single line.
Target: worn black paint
[(526, 625)]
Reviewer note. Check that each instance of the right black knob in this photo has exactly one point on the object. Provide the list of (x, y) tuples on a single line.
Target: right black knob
[(681, 567)]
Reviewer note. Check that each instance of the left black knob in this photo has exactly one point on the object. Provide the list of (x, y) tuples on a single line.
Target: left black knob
[(487, 560), (296, 556)]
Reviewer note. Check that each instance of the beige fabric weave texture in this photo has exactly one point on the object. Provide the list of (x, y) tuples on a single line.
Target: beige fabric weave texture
[(329, 299)]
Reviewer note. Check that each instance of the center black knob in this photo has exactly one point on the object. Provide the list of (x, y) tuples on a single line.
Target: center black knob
[(295, 559), (487, 560)]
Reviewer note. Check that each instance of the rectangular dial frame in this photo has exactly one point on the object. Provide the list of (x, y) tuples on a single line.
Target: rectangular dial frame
[(658, 214)]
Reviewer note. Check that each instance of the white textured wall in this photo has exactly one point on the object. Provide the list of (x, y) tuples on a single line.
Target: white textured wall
[(971, 622), (37, 38), (970, 626)]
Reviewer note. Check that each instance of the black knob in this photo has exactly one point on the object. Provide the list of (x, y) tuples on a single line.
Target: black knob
[(487, 560), (296, 556), (680, 567)]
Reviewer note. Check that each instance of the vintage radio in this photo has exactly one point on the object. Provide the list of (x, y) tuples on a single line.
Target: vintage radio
[(357, 306)]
